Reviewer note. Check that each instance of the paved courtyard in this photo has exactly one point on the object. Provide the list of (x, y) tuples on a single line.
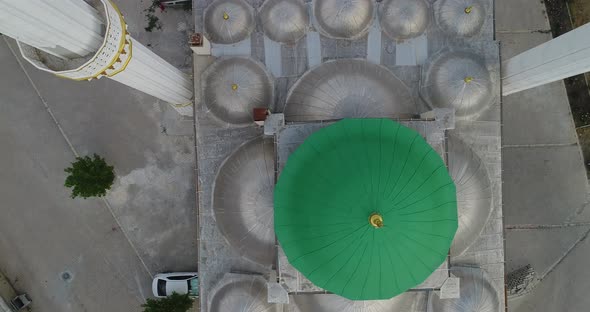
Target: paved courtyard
[(545, 183), (147, 223)]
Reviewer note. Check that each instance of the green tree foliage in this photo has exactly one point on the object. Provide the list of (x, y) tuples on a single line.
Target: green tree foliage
[(90, 177), (172, 303), (153, 20)]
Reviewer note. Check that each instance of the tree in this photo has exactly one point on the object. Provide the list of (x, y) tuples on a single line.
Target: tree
[(173, 303), (90, 177)]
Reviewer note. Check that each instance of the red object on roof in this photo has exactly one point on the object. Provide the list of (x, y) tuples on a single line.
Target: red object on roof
[(260, 113)]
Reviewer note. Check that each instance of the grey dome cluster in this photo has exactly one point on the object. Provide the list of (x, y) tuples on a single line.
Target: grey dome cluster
[(343, 19), (243, 294), (474, 193), (477, 293), (243, 201), (228, 22), (403, 19), (233, 87), (460, 17), (458, 80), (347, 89), (284, 20)]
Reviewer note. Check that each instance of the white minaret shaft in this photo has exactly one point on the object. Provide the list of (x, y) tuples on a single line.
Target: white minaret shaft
[(65, 28), (74, 40), (565, 56), (151, 74)]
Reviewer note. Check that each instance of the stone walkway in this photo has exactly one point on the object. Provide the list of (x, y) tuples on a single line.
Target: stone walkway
[(545, 184), (147, 224)]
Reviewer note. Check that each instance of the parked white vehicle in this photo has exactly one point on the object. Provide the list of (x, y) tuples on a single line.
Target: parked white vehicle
[(164, 284)]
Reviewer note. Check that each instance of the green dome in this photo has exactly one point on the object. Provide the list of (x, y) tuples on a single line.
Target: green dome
[(365, 209)]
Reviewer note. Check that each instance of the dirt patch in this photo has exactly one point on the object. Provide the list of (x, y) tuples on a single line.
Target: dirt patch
[(562, 21), (565, 15), (559, 16), (579, 98), (584, 137), (580, 12), (580, 15)]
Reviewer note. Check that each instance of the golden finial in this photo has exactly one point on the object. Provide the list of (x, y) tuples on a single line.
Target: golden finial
[(376, 220)]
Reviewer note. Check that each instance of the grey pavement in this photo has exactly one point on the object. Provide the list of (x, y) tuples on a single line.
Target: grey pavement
[(44, 233), (564, 289), (543, 184), (545, 181), (150, 222), (170, 42)]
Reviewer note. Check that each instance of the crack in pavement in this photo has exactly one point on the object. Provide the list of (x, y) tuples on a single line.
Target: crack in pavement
[(539, 145), (524, 31), (565, 254), (527, 227), (553, 267)]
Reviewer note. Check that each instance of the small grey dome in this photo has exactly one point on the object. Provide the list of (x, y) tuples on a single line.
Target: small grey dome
[(233, 87), (403, 19), (474, 193), (477, 293), (348, 88), (243, 200), (460, 17), (344, 19), (243, 294), (284, 20), (228, 22), (458, 80), (408, 301)]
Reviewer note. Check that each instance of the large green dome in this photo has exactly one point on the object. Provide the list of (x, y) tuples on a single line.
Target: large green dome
[(365, 209)]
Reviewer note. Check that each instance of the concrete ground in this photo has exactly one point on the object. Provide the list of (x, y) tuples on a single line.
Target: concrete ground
[(7, 292), (146, 225), (545, 184)]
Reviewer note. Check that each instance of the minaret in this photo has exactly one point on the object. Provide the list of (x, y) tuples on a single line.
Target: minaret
[(565, 56), (76, 40)]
